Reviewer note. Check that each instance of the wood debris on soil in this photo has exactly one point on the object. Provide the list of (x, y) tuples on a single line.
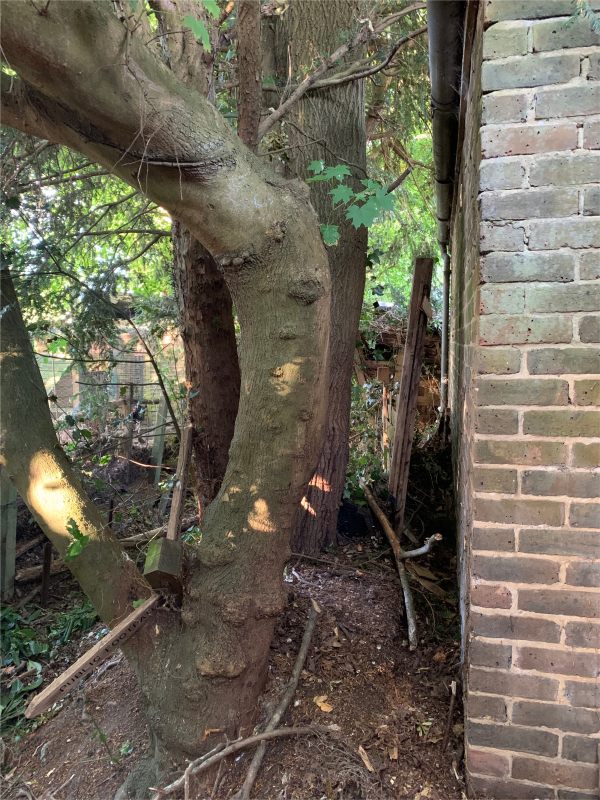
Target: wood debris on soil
[(391, 705)]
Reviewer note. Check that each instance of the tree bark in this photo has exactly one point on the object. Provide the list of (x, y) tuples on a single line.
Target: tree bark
[(211, 359), (88, 82), (328, 124)]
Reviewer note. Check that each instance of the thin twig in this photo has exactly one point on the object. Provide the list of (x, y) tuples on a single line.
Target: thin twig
[(204, 763), (286, 699)]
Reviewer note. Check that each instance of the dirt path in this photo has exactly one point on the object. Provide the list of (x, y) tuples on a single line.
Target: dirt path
[(390, 702)]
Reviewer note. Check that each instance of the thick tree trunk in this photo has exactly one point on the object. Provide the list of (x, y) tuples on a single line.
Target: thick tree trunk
[(211, 358), (85, 81), (330, 125)]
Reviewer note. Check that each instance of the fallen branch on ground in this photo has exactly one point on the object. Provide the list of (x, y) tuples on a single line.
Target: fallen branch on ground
[(400, 555), (282, 706), (140, 538), (211, 758)]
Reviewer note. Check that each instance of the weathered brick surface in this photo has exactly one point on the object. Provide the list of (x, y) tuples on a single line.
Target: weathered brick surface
[(486, 762), (498, 360), (580, 776), (503, 173), (502, 539), (552, 234), (562, 423), (515, 569), (528, 266), (583, 634), (589, 329), (531, 70), (528, 453), (491, 788), (584, 573), (502, 626), (502, 299), (560, 482), (515, 329), (486, 596), (553, 715), (564, 662), (512, 684), (587, 393), (495, 480), (505, 39), (527, 9), (489, 654), (515, 140), (554, 34), (508, 106), (494, 420), (589, 265), (591, 133), (485, 706), (565, 169), (559, 541), (568, 360), (582, 694), (501, 237), (567, 101), (519, 512), (591, 201), (586, 455), (555, 601), (572, 297), (580, 748), (522, 391), (585, 515), (527, 203), (524, 740)]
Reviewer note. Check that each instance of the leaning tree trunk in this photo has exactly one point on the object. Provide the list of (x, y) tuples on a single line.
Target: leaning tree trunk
[(328, 124), (84, 80)]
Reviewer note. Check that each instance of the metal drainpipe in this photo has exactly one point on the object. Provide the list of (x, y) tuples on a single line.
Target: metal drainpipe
[(445, 333)]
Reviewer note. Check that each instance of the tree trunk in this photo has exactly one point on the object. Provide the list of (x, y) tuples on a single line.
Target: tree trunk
[(85, 81), (211, 359), (328, 124)]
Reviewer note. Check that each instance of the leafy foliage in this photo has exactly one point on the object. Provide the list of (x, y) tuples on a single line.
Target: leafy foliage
[(79, 543)]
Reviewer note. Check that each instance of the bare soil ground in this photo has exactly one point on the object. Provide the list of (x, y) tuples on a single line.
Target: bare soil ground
[(359, 675)]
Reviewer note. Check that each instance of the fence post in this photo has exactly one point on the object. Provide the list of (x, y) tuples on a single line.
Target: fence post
[(158, 445), (8, 534), (406, 404)]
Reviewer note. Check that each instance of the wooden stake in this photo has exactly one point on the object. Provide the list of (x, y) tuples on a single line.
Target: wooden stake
[(183, 466), (8, 534), (88, 662), (406, 403)]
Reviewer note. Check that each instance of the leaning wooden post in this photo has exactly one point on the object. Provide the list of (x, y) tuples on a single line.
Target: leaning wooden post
[(8, 534), (406, 404), (158, 445)]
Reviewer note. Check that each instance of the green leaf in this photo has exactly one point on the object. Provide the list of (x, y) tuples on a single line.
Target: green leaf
[(198, 28), (212, 8), (342, 193), (362, 215), (138, 603), (330, 235), (316, 166)]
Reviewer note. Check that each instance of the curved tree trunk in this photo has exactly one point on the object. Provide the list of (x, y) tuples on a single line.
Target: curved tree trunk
[(85, 81), (328, 124)]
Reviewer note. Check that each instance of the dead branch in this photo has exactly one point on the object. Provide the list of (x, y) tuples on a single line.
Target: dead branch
[(140, 538), (33, 573), (207, 761), (286, 699), (400, 555)]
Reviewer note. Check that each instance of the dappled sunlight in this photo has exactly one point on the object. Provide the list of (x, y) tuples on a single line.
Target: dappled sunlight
[(307, 507), (259, 519), (50, 494), (320, 482), (285, 377)]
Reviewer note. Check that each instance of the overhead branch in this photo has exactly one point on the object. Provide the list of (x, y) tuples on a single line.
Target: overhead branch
[(249, 71), (366, 34)]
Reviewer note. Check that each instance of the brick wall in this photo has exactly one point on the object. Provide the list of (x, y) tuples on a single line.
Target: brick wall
[(525, 390)]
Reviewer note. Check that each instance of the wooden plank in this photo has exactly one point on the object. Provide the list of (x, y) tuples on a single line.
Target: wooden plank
[(8, 534), (406, 403), (88, 662), (183, 466)]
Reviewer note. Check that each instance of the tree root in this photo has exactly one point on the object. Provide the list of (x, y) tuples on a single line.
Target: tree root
[(401, 555)]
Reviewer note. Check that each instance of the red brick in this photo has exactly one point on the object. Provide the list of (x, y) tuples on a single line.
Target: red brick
[(510, 684), (561, 662), (555, 601), (585, 515), (494, 539), (486, 763), (554, 773), (515, 569), (490, 788), (559, 541), (580, 748), (489, 654), (487, 596), (506, 626)]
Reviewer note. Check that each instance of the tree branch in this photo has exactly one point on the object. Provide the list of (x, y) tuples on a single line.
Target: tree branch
[(249, 71)]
